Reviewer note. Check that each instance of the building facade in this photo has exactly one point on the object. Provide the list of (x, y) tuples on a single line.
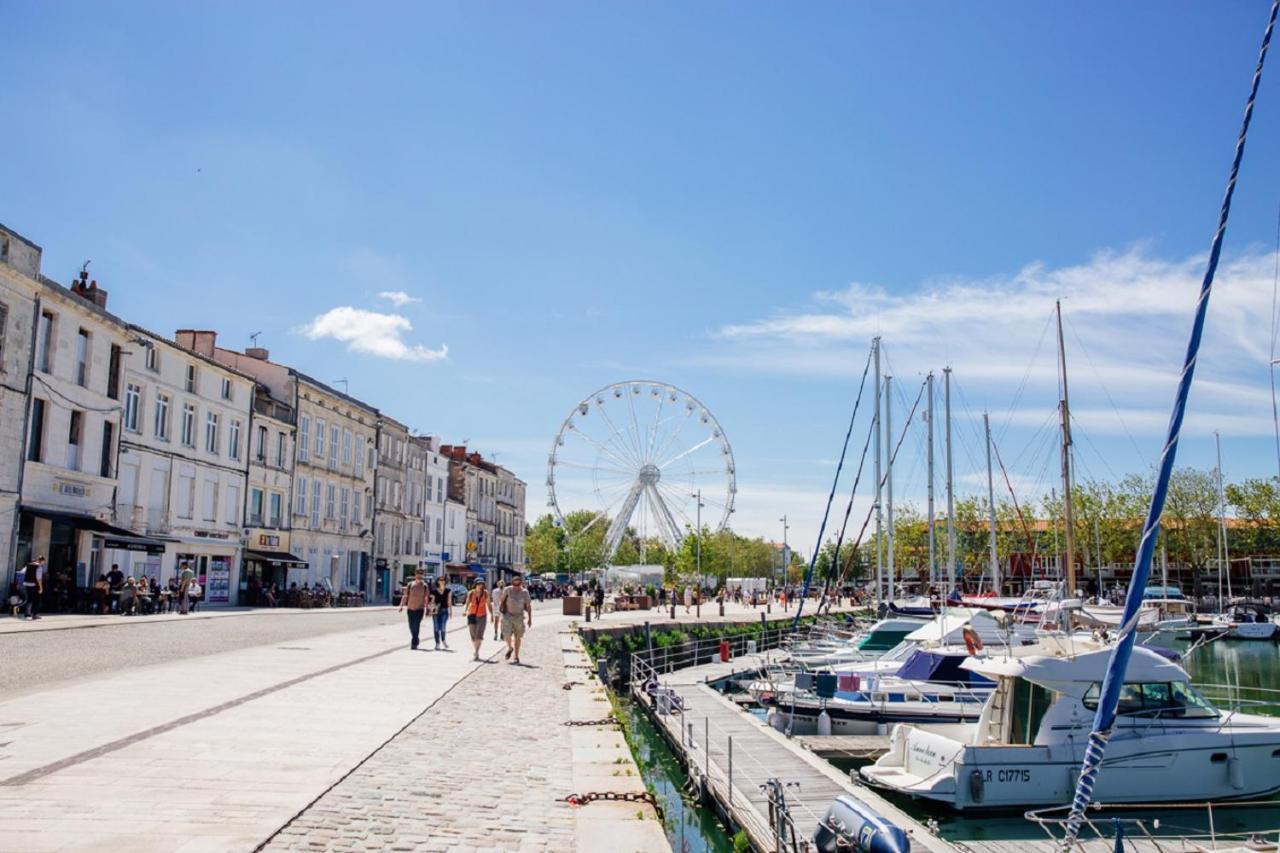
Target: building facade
[(19, 292), (391, 486), (436, 553), (184, 437)]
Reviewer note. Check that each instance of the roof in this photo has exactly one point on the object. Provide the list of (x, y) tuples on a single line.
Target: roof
[(213, 361), (6, 229), (91, 307), (1074, 674), (330, 390)]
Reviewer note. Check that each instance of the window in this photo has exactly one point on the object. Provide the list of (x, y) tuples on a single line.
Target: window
[(280, 450), (355, 507), (211, 433), (315, 503), (113, 372), (346, 447), (233, 506), (35, 443), (233, 441), (277, 509), (162, 417), (360, 456), (211, 500), (429, 490), (255, 506), (329, 493), (440, 488), (4, 325), (108, 437), (439, 531), (226, 389), (82, 358), (191, 378), (319, 448), (1167, 699), (44, 346), (132, 403), (304, 438), (344, 506), (73, 441), (153, 359), (188, 425), (333, 446), (261, 452), (300, 502), (186, 493)]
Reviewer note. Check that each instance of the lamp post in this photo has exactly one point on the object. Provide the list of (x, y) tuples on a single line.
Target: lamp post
[(785, 527), (698, 496)]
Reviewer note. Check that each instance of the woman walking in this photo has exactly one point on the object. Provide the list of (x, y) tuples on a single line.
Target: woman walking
[(478, 608), (441, 601)]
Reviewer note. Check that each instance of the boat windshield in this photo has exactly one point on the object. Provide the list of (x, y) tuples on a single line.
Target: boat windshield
[(1163, 698)]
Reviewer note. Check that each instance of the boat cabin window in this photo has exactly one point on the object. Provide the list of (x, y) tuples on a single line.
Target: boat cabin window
[(1030, 702), (1168, 699)]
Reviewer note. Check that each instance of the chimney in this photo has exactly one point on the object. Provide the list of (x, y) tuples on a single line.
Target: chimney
[(197, 341), (260, 353), (89, 290)]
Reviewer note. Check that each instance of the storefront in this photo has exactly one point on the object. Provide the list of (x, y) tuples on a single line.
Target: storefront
[(214, 557), (269, 571)]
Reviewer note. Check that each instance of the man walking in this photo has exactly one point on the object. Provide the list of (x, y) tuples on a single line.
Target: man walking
[(415, 601), (186, 579), (33, 588), (513, 608)]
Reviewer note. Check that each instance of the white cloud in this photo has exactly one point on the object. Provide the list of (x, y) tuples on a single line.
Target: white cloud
[(1128, 316), (398, 298), (372, 333)]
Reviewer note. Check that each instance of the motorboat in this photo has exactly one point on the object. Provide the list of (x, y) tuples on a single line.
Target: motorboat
[(833, 651), (1247, 620), (1170, 744)]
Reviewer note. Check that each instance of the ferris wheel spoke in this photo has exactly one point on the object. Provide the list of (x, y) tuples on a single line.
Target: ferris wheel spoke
[(635, 424), (662, 515), (589, 467), (675, 500), (604, 448), (653, 433), (691, 450), (618, 527), (631, 452), (670, 439)]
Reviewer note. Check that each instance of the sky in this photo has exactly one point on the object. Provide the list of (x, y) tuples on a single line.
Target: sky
[(479, 213)]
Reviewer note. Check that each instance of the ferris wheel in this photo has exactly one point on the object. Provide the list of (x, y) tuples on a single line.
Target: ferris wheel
[(644, 455)]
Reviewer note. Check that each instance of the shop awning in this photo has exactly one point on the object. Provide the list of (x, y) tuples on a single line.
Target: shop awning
[(112, 537), (477, 569), (276, 558)]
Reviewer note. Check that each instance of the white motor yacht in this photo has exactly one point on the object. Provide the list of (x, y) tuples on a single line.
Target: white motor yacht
[(1169, 744), (1248, 620)]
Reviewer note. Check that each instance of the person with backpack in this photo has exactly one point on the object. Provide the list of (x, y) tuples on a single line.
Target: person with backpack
[(414, 599), (32, 588), (478, 608)]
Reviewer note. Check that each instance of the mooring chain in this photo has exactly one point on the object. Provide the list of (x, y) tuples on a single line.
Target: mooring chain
[(616, 796), (606, 721)]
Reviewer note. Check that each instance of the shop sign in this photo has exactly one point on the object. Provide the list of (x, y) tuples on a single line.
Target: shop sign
[(268, 541), (211, 534), (75, 490)]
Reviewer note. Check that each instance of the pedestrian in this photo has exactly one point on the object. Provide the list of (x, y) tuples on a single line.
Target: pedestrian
[(186, 580), (441, 601), (495, 598), (115, 580), (513, 608), (688, 598), (32, 588), (478, 609), (415, 600)]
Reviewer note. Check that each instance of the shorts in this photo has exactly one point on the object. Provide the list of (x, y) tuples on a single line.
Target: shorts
[(477, 627), (512, 626)]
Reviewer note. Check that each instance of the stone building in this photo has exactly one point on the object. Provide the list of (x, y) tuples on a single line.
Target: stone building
[(436, 553), (473, 482), (391, 523), (184, 448)]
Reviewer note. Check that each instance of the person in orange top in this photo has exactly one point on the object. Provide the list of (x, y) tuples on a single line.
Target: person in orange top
[(478, 607)]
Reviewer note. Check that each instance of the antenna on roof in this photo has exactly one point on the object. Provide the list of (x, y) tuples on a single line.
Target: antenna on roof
[(346, 386), (253, 338), (85, 267)]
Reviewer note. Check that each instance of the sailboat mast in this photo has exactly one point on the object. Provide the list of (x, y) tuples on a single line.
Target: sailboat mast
[(991, 506), (1067, 511), (951, 507), (888, 480), (875, 345), (933, 563), (1222, 521)]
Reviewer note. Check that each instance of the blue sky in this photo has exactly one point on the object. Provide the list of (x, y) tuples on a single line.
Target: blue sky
[(731, 198)]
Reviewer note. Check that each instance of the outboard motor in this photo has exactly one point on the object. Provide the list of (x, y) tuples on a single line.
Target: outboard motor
[(851, 823)]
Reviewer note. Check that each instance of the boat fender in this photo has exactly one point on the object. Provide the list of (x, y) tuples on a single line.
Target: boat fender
[(824, 723), (977, 786), (851, 823), (972, 642), (1235, 772)]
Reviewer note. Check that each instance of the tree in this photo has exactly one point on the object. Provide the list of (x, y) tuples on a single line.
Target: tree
[(542, 546)]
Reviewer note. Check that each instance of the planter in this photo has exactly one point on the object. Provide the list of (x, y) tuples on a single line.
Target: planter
[(572, 605)]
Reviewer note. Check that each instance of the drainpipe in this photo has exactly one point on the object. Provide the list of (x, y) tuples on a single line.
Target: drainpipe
[(26, 427)]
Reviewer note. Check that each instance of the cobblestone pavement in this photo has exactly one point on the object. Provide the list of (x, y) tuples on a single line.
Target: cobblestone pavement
[(480, 770)]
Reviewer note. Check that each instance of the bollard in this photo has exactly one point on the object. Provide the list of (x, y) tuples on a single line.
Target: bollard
[(587, 610), (648, 638), (722, 607)]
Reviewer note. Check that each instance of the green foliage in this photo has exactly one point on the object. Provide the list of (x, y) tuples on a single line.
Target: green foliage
[(741, 844)]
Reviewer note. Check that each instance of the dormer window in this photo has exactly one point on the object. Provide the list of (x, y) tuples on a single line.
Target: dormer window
[(153, 359), (191, 379)]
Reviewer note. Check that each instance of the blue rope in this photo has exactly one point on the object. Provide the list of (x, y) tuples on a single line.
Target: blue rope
[(808, 575), (1105, 717)]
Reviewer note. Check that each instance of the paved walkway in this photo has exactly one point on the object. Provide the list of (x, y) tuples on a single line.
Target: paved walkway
[(64, 621), (221, 752)]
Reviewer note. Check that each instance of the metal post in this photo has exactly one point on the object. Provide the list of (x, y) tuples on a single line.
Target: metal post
[(785, 561), (951, 507), (698, 598), (933, 566), (991, 501), (888, 486), (875, 346), (730, 770)]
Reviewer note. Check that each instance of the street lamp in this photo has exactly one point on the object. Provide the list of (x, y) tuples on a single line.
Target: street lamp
[(698, 496), (785, 528)]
